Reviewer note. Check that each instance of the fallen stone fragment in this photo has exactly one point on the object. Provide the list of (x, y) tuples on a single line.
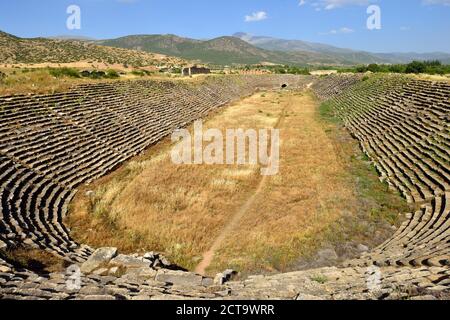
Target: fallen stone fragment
[(224, 277), (5, 269), (114, 271), (3, 245), (426, 298), (179, 278), (129, 262), (142, 273), (101, 272), (362, 248), (100, 257), (98, 297)]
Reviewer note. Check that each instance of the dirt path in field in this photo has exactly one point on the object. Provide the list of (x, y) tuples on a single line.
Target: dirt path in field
[(209, 255), (210, 217)]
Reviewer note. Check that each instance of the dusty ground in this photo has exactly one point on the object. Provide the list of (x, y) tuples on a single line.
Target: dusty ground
[(324, 195)]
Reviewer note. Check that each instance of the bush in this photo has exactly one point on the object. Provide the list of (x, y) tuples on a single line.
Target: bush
[(397, 68), (112, 74), (85, 73), (64, 72), (415, 67), (97, 74), (361, 69), (428, 67), (137, 73), (373, 68)]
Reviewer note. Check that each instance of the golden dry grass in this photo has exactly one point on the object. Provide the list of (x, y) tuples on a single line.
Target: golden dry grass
[(180, 210), (298, 204), (33, 79), (34, 259)]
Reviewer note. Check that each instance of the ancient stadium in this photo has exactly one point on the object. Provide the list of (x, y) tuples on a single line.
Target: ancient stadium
[(224, 158), (58, 150)]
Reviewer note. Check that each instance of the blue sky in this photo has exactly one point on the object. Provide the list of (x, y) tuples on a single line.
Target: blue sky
[(407, 25)]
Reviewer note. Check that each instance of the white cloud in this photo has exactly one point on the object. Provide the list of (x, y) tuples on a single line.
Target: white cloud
[(343, 30), (431, 2), (256, 16), (333, 4), (301, 3)]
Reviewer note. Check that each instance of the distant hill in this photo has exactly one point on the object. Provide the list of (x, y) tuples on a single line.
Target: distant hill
[(69, 37), (147, 50), (42, 50), (400, 57), (347, 55), (222, 51), (270, 43)]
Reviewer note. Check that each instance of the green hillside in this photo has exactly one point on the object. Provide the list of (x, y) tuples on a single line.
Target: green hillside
[(42, 50), (222, 51)]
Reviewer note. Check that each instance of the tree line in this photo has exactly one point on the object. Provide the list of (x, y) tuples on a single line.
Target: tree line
[(432, 67)]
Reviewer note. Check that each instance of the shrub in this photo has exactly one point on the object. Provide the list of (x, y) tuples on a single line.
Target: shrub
[(373, 67), (428, 67), (415, 67), (112, 74), (64, 72), (85, 73), (319, 279), (397, 68), (97, 74), (137, 73)]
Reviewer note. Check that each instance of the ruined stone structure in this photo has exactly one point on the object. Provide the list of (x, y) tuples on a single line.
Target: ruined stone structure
[(190, 71), (50, 144)]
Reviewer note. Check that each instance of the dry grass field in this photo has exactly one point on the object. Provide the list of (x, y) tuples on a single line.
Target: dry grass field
[(33, 79), (325, 194)]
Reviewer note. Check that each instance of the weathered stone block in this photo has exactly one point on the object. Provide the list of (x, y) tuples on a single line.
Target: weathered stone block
[(129, 262), (179, 278), (100, 257)]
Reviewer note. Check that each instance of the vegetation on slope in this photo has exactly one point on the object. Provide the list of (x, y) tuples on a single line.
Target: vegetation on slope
[(53, 79), (220, 51), (356, 57), (40, 50), (425, 67)]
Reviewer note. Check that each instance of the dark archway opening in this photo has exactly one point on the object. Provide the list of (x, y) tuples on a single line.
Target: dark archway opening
[(284, 85)]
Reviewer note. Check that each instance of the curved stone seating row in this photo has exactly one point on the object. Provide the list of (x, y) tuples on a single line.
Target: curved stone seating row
[(52, 143), (329, 86), (339, 283), (402, 126), (423, 239)]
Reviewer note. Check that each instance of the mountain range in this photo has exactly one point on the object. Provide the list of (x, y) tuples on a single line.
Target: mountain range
[(275, 44), (243, 48), (225, 50)]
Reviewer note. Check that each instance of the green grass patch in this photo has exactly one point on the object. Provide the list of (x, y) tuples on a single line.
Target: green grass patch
[(327, 113), (319, 279)]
